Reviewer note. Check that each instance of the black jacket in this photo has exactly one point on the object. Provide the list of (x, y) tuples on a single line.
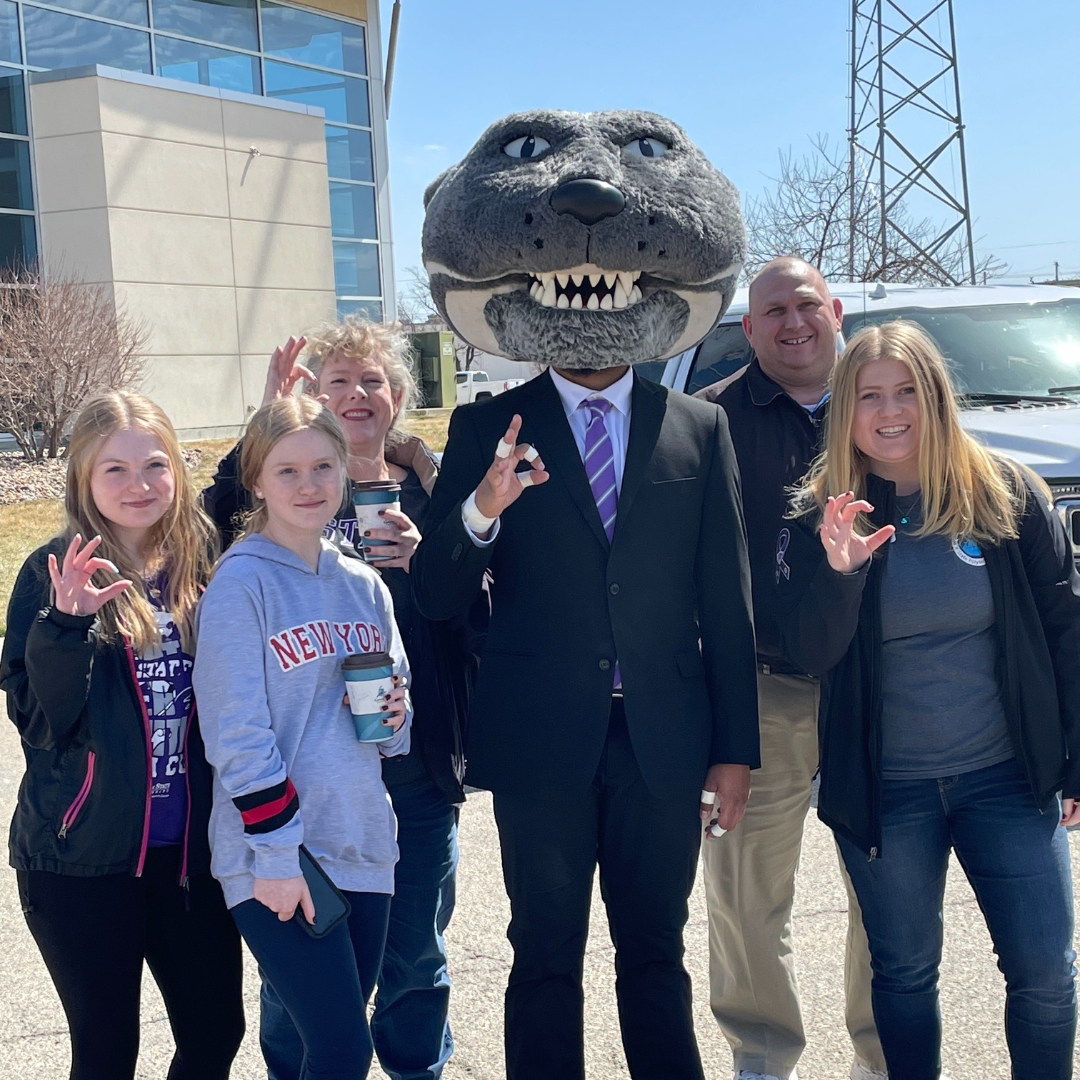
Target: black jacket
[(833, 629), (84, 802), (775, 440), (566, 604), (443, 655)]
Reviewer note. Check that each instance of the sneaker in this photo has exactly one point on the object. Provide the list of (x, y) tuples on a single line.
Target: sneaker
[(743, 1074), (860, 1072)]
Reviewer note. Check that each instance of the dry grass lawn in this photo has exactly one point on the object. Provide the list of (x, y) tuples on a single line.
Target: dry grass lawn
[(27, 525)]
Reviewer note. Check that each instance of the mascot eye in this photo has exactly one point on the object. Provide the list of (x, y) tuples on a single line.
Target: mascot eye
[(645, 148), (528, 146)]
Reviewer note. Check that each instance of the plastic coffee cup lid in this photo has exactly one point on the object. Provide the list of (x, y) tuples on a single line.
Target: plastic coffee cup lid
[(362, 661)]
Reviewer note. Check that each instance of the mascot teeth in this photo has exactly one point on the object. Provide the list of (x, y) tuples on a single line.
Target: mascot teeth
[(609, 290)]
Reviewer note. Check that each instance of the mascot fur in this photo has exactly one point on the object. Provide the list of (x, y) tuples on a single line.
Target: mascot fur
[(583, 240)]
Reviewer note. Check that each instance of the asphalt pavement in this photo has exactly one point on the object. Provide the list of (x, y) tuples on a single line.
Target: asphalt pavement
[(34, 1044)]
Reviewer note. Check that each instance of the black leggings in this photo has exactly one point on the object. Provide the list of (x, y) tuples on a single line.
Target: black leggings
[(95, 932)]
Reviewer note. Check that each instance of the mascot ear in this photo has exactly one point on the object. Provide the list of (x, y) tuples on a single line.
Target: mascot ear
[(429, 191)]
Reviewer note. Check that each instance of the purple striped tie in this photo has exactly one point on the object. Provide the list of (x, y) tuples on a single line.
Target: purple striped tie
[(600, 463), (600, 469)]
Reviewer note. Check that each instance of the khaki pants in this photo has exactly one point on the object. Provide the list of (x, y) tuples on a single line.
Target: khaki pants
[(750, 885)]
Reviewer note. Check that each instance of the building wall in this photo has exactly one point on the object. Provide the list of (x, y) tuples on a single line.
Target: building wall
[(151, 186)]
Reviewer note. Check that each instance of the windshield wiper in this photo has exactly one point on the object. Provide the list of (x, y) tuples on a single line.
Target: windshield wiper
[(1063, 389), (997, 397)]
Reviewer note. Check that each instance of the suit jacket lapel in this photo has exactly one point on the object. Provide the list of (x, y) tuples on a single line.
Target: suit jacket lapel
[(555, 441), (647, 408)]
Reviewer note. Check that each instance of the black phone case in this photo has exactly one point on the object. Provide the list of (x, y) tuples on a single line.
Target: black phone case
[(331, 906)]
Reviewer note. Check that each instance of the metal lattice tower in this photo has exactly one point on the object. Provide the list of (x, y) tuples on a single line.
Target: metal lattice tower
[(906, 140)]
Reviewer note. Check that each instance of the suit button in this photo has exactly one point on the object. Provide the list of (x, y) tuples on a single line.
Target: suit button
[(605, 665), (613, 588), (456, 553)]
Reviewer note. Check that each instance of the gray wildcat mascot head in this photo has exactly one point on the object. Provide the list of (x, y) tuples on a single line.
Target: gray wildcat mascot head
[(583, 240)]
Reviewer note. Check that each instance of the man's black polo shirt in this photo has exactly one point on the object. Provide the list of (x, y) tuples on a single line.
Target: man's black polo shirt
[(775, 440)]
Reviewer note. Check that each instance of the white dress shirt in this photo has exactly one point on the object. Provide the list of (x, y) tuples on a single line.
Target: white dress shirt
[(571, 394)]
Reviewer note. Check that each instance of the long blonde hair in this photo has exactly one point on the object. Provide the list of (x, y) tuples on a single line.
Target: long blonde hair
[(182, 544), (967, 489), (266, 428)]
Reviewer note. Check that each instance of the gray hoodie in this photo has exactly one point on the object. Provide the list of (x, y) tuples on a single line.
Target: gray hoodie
[(288, 769)]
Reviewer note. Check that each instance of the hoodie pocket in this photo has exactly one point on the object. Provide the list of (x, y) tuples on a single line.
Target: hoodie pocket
[(73, 811)]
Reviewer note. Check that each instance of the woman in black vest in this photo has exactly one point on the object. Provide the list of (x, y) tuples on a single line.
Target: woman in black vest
[(951, 697)]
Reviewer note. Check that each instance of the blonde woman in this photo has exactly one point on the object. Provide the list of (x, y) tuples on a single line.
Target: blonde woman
[(109, 839), (361, 370), (941, 606), (283, 611)]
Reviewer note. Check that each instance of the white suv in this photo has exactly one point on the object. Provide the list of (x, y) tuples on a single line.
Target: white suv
[(1014, 351)]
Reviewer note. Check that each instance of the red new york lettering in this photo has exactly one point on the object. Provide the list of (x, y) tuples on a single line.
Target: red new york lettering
[(376, 638), (324, 639), (363, 637), (344, 631), (306, 647), (287, 655)]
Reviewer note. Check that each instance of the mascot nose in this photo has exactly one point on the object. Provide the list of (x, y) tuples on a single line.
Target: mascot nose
[(589, 201)]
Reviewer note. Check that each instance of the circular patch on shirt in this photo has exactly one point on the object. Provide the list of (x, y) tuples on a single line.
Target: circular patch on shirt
[(966, 550)]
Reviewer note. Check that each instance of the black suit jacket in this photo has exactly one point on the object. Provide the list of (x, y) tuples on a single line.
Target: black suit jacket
[(566, 604)]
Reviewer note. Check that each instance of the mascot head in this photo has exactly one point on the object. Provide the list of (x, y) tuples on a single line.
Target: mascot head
[(583, 240)]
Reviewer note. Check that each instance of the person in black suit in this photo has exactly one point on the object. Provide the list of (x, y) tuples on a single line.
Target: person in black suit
[(618, 680)]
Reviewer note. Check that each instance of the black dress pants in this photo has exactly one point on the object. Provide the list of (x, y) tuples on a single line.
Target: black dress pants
[(95, 932), (646, 848)]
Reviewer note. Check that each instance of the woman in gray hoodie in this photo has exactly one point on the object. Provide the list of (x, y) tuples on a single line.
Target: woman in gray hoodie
[(283, 610)]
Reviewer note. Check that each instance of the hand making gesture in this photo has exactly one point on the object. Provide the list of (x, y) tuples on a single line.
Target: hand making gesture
[(74, 593), (846, 550), (285, 370), (502, 484)]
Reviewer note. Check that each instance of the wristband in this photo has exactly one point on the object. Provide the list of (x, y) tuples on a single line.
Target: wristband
[(474, 520)]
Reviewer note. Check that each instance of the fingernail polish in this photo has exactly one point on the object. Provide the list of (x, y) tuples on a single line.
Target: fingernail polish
[(368, 533)]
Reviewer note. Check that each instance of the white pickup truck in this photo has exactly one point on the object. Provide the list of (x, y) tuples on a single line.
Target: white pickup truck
[(1014, 351), (475, 386)]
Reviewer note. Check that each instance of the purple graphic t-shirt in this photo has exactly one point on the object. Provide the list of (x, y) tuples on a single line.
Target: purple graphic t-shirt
[(164, 675)]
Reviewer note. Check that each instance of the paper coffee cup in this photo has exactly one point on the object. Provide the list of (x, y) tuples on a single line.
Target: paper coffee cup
[(369, 497), (369, 677)]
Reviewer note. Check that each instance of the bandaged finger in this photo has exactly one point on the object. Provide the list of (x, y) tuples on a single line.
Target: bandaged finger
[(504, 449), (716, 830), (531, 454), (525, 479), (708, 798)]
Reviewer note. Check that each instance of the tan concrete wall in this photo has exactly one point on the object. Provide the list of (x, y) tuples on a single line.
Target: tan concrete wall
[(151, 186), (351, 9)]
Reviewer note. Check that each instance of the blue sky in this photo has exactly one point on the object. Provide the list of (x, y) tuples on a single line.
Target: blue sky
[(747, 79)]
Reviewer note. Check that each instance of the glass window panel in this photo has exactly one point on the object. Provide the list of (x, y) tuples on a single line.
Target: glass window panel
[(228, 22), (313, 39), (348, 154), (132, 11), (12, 104), (344, 98), (356, 269), (18, 241), (366, 309), (62, 41), (204, 64), (15, 190), (9, 32), (352, 211)]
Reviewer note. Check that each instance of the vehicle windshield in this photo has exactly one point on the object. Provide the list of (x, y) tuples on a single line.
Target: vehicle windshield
[(479, 376), (1000, 348)]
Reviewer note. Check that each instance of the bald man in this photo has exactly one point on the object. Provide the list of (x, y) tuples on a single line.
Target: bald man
[(776, 407)]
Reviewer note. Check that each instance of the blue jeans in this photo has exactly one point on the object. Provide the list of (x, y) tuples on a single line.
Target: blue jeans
[(409, 1026), (1017, 860), (323, 983)]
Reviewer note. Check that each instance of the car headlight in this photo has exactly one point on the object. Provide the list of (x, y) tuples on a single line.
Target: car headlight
[(1067, 503)]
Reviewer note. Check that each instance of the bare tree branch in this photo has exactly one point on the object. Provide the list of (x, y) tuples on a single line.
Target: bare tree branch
[(60, 341), (807, 213)]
